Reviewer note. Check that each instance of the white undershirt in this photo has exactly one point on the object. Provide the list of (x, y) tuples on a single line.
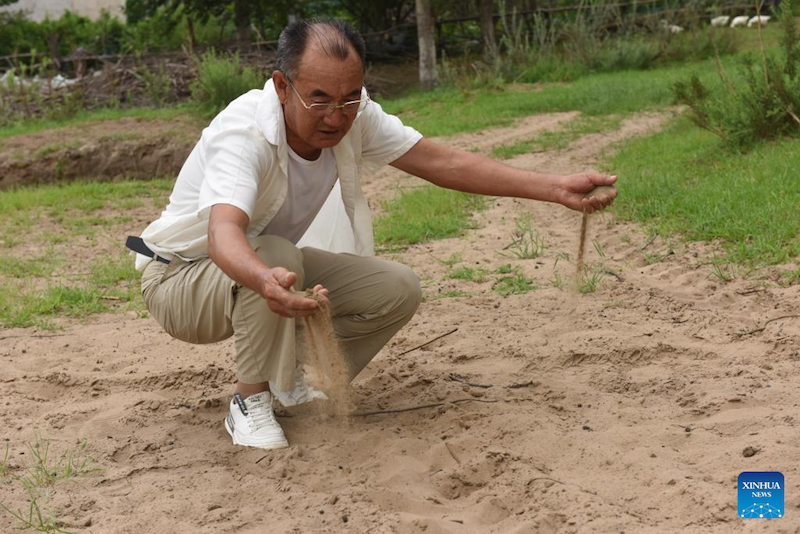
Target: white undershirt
[(310, 183)]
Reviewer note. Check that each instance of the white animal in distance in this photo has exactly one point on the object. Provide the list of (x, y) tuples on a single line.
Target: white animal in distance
[(722, 20), (739, 21), (671, 28), (755, 20)]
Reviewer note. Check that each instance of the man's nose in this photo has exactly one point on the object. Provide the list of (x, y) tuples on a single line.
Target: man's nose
[(336, 119)]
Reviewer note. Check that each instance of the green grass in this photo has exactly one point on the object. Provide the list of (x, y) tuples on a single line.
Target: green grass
[(83, 117), (559, 139), (518, 284), (79, 196), (681, 181), (590, 278), (790, 278), (527, 244), (21, 305), (448, 111), (472, 274), (40, 267), (424, 214)]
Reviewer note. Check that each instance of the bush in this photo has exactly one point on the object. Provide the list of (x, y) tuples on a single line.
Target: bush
[(764, 103), (222, 79)]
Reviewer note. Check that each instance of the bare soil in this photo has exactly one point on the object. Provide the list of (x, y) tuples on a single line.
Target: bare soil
[(626, 409), (99, 150)]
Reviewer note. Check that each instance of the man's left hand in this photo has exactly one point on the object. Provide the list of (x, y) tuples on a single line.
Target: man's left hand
[(573, 188)]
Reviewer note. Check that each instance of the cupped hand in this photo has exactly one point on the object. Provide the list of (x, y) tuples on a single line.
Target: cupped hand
[(284, 300), (574, 189)]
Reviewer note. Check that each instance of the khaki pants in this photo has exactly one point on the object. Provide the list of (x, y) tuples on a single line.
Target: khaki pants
[(371, 299)]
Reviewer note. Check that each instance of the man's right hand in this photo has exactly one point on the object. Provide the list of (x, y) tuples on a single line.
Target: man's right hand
[(283, 300)]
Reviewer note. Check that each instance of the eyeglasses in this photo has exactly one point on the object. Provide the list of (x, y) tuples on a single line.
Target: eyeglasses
[(349, 108)]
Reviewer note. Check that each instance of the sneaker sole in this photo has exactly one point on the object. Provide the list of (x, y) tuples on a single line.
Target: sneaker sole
[(277, 445)]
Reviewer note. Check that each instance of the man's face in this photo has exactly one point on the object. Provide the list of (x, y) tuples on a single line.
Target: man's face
[(319, 78)]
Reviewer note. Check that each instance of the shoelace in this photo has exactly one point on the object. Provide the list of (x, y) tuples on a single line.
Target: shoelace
[(259, 415)]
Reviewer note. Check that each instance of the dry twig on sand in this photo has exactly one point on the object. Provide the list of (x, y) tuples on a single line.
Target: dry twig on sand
[(423, 406), (757, 330), (428, 342)]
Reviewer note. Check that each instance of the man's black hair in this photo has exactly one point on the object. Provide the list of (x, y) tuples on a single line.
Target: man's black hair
[(336, 38)]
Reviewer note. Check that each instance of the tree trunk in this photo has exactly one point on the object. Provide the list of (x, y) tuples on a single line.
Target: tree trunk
[(241, 16), (486, 12), (192, 38), (427, 45)]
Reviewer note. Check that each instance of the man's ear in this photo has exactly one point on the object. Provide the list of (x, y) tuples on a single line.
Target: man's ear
[(281, 85)]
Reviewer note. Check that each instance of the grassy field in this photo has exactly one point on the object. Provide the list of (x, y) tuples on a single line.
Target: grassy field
[(448, 111)]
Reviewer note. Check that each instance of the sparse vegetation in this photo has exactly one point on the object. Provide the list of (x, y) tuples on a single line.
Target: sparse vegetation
[(43, 472), (518, 284), (721, 271), (527, 243), (590, 278), (471, 274), (790, 278)]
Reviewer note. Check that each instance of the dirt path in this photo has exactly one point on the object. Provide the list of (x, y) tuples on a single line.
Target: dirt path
[(626, 409)]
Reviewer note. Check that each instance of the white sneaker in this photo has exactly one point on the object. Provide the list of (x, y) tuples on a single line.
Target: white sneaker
[(303, 391), (251, 422)]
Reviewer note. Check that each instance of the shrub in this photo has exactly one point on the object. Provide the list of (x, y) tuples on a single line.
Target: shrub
[(762, 104), (221, 79)]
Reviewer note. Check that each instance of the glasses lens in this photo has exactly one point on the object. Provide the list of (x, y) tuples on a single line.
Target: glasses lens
[(351, 108)]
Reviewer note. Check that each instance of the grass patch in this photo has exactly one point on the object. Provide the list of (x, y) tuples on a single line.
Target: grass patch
[(42, 266), (527, 243), (424, 214), (80, 196), (681, 181), (590, 278), (559, 139), (471, 274), (22, 305), (790, 278), (518, 284)]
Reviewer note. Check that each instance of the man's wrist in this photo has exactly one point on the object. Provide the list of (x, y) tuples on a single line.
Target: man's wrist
[(547, 187)]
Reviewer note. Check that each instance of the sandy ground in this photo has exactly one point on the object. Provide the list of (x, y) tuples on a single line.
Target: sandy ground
[(627, 409)]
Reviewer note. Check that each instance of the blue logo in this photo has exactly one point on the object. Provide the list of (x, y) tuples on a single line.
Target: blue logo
[(761, 494)]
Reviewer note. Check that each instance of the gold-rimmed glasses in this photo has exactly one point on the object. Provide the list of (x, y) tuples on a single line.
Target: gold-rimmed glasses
[(325, 109)]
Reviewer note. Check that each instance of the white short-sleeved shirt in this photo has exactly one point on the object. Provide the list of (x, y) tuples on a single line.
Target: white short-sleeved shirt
[(242, 160)]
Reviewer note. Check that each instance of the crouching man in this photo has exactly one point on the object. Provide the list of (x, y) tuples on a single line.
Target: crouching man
[(222, 259)]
